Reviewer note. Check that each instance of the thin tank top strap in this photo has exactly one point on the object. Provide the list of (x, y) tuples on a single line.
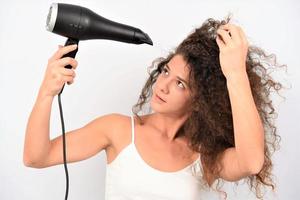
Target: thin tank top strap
[(132, 129)]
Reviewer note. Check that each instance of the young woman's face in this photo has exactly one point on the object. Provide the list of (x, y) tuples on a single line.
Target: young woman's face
[(172, 87)]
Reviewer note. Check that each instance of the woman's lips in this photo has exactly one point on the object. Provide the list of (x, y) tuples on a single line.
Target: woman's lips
[(160, 98)]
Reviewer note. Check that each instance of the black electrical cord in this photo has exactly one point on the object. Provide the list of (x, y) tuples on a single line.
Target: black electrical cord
[(64, 143), (72, 54)]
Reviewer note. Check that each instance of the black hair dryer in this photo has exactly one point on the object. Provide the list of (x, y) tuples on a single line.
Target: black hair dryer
[(79, 23)]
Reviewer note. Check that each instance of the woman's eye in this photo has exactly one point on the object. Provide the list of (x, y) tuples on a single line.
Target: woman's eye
[(181, 84), (165, 70)]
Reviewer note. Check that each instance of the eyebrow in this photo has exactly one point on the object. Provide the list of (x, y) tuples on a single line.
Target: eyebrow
[(178, 76)]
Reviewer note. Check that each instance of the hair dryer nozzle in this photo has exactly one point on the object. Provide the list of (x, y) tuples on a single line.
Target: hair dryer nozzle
[(143, 37)]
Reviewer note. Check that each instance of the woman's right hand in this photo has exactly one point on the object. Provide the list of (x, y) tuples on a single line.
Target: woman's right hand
[(56, 73)]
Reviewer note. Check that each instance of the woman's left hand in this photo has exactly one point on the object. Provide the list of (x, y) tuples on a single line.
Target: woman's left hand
[(233, 47)]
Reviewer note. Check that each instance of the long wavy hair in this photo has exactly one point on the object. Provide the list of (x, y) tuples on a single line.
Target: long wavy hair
[(209, 128)]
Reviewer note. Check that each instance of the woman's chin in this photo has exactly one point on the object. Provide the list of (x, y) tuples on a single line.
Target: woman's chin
[(158, 107), (155, 106)]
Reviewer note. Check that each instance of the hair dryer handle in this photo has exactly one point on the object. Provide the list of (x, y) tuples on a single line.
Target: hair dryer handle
[(72, 54)]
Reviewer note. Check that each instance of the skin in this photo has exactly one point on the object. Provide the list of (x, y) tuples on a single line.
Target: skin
[(155, 139), (170, 115), (247, 157)]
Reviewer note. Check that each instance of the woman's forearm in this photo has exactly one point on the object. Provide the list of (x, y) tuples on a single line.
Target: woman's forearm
[(248, 128), (37, 138)]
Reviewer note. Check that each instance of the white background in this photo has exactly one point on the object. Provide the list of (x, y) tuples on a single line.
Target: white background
[(110, 76)]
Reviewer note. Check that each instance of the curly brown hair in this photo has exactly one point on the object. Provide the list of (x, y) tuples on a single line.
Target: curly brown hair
[(209, 128)]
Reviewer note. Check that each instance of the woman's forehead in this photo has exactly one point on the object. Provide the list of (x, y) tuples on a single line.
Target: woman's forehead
[(179, 67)]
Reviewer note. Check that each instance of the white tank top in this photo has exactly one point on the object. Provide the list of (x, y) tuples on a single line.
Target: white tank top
[(129, 177)]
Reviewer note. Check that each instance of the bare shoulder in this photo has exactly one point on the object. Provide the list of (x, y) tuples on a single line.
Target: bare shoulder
[(117, 127), (112, 121)]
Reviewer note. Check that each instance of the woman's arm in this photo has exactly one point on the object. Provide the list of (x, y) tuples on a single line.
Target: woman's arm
[(37, 139), (247, 157), (81, 143), (248, 128)]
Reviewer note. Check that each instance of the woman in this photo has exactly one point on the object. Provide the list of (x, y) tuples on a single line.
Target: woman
[(211, 111)]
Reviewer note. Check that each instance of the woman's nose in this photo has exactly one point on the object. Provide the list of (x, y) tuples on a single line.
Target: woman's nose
[(164, 85)]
